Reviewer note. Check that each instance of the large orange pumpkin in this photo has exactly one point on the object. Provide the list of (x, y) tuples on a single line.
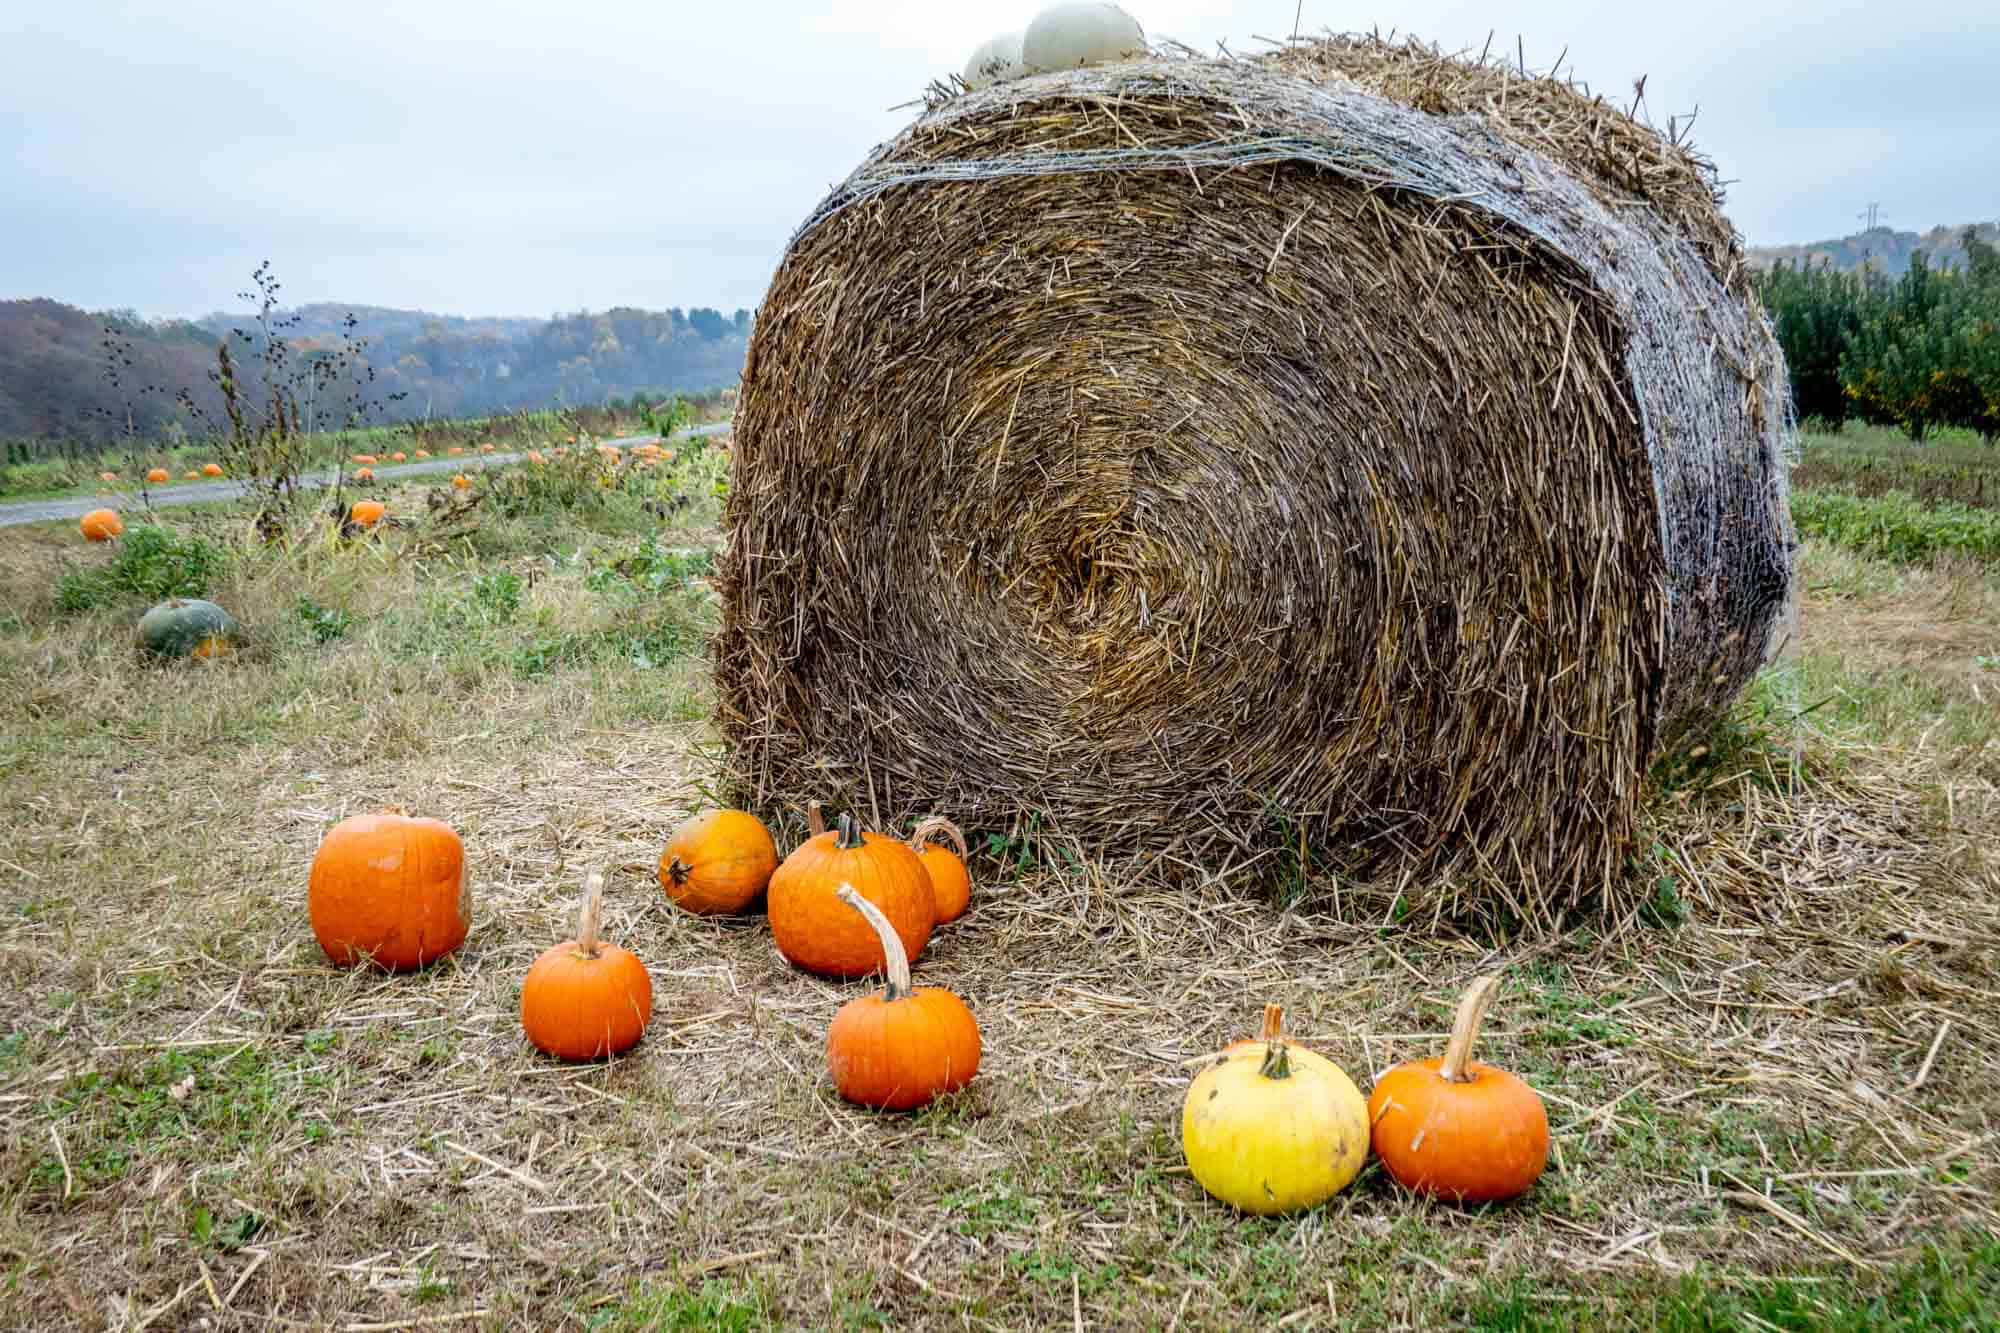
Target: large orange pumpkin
[(389, 887), (718, 861), (817, 932), (906, 1046), (583, 998), (946, 866), (367, 513), (1458, 1129), (101, 525)]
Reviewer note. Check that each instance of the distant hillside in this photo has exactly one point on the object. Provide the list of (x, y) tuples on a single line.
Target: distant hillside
[(1887, 250), (54, 380)]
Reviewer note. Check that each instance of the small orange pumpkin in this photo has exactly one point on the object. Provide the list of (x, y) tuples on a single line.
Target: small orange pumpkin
[(1458, 1129), (812, 928), (583, 998), (364, 475), (461, 481), (389, 887), (101, 525), (398, 457), (423, 453), (949, 880), (365, 458), (454, 451), (158, 474), (907, 1046), (211, 469), (190, 476), (718, 861), (367, 513)]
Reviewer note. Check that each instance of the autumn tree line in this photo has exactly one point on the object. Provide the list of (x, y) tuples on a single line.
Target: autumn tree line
[(1918, 352), (70, 378)]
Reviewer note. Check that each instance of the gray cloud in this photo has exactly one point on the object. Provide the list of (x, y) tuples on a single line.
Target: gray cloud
[(518, 157)]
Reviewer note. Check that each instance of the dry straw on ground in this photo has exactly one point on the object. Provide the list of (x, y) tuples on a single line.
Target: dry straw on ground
[(1353, 448)]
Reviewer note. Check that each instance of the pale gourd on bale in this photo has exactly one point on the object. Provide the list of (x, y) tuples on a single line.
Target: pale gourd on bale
[(1356, 451), (1078, 36), (996, 60)]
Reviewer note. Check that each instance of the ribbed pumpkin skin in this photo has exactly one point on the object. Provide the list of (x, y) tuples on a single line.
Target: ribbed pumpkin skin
[(390, 886), (1481, 1141), (581, 1008), (819, 933), (101, 525), (895, 1055), (718, 861), (950, 884)]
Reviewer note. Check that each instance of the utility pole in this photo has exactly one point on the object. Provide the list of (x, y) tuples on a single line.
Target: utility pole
[(1870, 216)]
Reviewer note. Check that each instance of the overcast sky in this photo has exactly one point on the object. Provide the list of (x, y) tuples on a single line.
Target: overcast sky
[(530, 157)]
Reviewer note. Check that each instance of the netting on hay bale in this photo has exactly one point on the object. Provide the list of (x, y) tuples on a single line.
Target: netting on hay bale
[(1354, 446)]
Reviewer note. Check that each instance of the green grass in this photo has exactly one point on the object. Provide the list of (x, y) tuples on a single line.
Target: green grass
[(1898, 526)]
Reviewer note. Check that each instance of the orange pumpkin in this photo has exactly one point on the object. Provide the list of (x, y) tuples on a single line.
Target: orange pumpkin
[(101, 525), (367, 512), (949, 881), (907, 1046), (363, 474), (718, 861), (365, 458), (461, 481), (535, 457), (454, 451), (389, 887), (423, 453), (816, 932), (211, 469), (1458, 1129), (158, 474), (107, 476), (398, 457), (190, 476), (583, 998)]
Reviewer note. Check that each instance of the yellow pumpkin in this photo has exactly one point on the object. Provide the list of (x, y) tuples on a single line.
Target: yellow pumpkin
[(1271, 1127)]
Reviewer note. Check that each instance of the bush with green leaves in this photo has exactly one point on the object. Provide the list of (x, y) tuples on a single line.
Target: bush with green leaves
[(152, 562), (1897, 526)]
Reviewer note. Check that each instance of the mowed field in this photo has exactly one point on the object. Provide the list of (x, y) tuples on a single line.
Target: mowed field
[(1775, 1096)]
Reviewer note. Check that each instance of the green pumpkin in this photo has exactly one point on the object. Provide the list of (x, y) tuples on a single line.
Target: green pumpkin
[(188, 627)]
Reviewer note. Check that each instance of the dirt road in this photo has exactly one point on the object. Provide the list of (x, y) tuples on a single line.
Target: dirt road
[(186, 493)]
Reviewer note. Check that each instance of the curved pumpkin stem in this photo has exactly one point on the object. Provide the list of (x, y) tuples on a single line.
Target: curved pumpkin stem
[(1465, 1028), (815, 819), (849, 836), (588, 919), (933, 826), (892, 943), (1277, 1063)]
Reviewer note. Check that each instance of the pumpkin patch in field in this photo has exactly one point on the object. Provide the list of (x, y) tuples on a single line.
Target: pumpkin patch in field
[(1457, 1129), (188, 627), (584, 999), (907, 1046), (718, 861), (1271, 1127), (816, 931), (389, 887), (101, 525)]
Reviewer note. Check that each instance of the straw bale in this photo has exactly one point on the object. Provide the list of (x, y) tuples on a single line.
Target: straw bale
[(1354, 448)]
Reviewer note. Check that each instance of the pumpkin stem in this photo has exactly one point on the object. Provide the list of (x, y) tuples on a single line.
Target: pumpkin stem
[(933, 826), (1277, 1062), (588, 918), (892, 943), (850, 834), (1465, 1028), (815, 819)]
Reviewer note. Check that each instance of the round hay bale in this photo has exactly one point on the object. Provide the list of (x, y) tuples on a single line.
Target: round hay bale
[(1353, 448)]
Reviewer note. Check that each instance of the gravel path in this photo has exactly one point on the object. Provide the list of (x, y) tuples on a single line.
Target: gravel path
[(187, 493)]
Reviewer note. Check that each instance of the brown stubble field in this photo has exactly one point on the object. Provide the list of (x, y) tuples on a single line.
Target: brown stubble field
[(1788, 1069)]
